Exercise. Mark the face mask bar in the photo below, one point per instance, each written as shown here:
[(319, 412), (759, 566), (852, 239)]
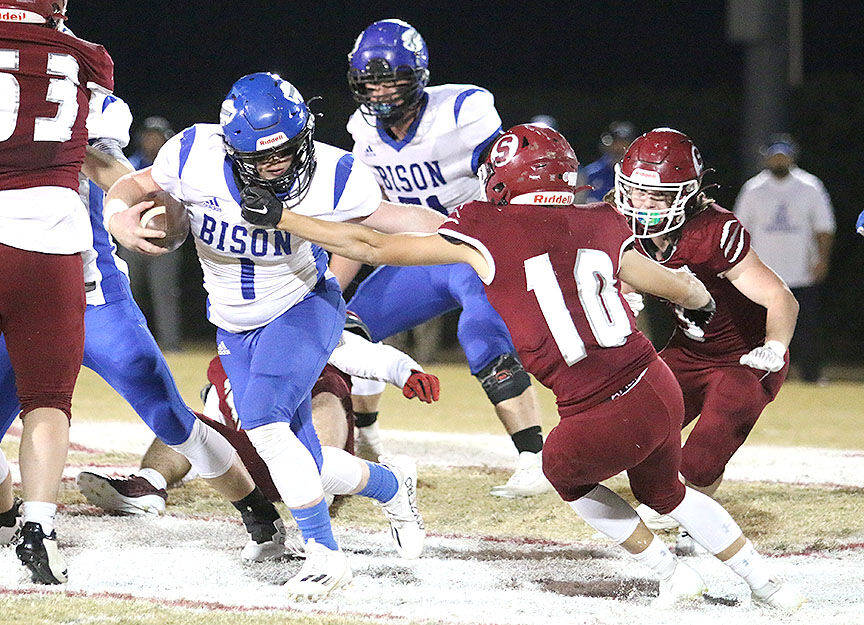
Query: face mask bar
[(390, 109), (647, 223), (291, 187)]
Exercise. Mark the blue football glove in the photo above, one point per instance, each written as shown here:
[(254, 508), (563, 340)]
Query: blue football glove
[(859, 225)]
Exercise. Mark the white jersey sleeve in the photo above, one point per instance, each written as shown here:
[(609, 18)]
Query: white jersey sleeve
[(109, 118), (477, 121), (372, 361)]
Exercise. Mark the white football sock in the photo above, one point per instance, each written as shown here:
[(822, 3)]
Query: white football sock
[(658, 558), (40, 512), (156, 479), (750, 566), (341, 472)]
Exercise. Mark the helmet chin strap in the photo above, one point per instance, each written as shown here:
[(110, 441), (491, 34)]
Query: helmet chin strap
[(545, 198)]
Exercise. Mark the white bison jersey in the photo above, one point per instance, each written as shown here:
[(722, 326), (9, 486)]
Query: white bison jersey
[(253, 274), (436, 163), (109, 118)]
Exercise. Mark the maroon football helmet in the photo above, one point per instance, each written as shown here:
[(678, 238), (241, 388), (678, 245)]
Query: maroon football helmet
[(663, 162), (49, 12), (530, 164)]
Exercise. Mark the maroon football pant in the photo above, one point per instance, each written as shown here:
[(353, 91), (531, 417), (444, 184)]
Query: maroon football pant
[(42, 319), (639, 432), (728, 399), (331, 380)]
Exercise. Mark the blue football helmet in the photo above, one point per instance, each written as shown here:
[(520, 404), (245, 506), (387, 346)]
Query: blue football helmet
[(264, 117), (388, 51)]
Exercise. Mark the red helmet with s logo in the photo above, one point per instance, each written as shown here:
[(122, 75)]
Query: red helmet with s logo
[(530, 164), (664, 163)]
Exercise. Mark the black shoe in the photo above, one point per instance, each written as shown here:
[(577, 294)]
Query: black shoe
[(10, 523), (39, 553)]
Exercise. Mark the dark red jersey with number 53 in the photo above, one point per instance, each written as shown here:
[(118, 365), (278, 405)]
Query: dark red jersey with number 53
[(554, 282), (46, 78)]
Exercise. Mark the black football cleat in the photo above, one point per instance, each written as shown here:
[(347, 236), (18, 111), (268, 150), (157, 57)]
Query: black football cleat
[(39, 553)]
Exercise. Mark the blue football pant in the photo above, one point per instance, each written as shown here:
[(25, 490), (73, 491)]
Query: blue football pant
[(272, 369), (395, 299)]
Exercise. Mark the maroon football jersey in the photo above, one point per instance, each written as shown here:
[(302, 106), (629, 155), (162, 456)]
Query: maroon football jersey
[(712, 242), (555, 285), (45, 82)]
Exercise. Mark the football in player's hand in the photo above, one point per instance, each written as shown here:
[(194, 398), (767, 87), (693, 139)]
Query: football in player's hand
[(169, 216)]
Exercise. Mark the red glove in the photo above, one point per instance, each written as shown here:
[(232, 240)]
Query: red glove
[(423, 386)]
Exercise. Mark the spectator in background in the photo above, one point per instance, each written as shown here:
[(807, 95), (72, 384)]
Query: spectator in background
[(601, 173), (791, 222), (158, 276)]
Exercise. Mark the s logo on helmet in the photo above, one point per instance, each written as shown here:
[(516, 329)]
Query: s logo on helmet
[(504, 150), (412, 41)]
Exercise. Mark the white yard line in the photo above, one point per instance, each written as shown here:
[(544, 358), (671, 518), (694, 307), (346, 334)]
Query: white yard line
[(793, 465)]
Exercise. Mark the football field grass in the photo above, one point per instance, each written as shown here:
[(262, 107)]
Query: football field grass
[(488, 560)]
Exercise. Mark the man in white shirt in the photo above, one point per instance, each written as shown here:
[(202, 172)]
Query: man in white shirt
[(791, 221)]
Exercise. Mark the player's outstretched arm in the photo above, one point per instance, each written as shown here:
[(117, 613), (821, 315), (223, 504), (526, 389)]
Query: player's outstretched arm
[(393, 218), (679, 287), (122, 213), (376, 248), (758, 282), (103, 169)]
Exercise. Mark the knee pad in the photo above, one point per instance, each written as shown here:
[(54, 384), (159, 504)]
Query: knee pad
[(208, 452), (503, 378), (291, 465)]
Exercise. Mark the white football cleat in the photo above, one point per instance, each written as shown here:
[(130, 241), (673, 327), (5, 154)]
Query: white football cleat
[(685, 545), (683, 585), (367, 442), (131, 494), (10, 533), (323, 571), (406, 524), (528, 479), (655, 521), (778, 595)]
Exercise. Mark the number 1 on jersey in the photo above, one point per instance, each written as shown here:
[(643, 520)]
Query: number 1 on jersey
[(593, 273)]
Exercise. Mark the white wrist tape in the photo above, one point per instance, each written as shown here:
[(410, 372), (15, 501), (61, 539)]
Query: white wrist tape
[(111, 208)]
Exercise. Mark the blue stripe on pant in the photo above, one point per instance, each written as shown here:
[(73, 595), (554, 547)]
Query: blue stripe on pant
[(273, 368), (394, 299), (120, 348)]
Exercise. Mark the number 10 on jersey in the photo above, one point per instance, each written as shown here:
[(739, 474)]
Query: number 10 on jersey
[(595, 281)]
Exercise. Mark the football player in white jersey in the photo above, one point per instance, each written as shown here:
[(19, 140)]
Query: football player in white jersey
[(118, 345), (278, 310), (425, 145)]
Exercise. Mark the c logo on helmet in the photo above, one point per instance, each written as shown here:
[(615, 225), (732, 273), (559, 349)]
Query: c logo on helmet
[(504, 150), (697, 159)]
